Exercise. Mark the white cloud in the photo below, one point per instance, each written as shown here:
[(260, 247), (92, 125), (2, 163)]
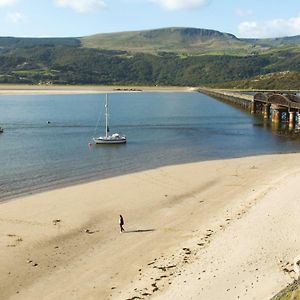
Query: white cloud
[(8, 2), (244, 12), (82, 6), (16, 17), (180, 4), (270, 28)]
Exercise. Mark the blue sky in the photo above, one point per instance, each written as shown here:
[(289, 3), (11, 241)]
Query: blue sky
[(244, 18)]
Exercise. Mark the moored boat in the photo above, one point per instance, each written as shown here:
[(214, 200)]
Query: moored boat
[(115, 138)]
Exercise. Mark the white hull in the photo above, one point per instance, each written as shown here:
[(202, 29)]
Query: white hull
[(103, 140)]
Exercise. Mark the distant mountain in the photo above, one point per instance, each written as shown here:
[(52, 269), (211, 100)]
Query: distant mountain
[(167, 56), (192, 41), (174, 39), (180, 40), (275, 42)]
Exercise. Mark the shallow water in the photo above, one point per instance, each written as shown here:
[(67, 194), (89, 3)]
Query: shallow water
[(161, 129)]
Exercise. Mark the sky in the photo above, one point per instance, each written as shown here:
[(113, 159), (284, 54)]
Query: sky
[(76, 18)]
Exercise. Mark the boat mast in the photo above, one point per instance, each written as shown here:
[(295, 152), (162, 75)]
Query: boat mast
[(106, 116)]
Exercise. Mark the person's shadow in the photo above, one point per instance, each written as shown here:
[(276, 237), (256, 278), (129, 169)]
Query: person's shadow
[(139, 230)]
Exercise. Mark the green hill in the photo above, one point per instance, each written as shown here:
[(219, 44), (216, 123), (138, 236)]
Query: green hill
[(169, 56), (192, 41), (180, 40), (13, 42), (286, 80)]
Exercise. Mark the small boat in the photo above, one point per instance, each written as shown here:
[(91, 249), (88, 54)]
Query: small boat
[(114, 138), (1, 130)]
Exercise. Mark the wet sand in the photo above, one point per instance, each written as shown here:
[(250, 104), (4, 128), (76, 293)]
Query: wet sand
[(226, 229)]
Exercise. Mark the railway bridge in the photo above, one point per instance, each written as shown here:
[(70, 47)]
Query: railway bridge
[(278, 106), (282, 106)]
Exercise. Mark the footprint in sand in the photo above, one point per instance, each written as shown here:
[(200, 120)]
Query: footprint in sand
[(17, 240), (56, 221)]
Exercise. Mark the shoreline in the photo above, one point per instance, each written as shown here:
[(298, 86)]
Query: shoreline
[(94, 178), (176, 218), (28, 89), (14, 89)]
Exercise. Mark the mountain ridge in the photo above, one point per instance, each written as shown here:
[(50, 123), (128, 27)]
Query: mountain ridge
[(187, 40), (170, 39)]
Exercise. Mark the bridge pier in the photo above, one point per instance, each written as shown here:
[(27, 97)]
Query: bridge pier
[(253, 107), (266, 111), (298, 117), (291, 119), (276, 116)]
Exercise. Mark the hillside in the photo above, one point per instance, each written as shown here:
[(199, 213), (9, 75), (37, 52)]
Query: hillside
[(179, 40), (193, 41), (279, 80), (13, 42), (275, 42), (170, 56)]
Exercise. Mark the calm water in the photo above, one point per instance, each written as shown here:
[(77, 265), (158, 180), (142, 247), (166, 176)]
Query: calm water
[(161, 128)]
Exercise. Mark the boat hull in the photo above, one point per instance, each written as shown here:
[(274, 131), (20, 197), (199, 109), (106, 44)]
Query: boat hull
[(109, 141)]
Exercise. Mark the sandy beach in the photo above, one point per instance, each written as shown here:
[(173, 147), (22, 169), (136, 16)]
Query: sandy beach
[(23, 89), (224, 229)]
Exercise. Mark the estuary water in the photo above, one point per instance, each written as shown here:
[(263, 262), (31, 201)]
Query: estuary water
[(161, 129)]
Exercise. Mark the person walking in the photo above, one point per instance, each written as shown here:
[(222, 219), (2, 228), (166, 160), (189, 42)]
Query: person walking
[(121, 223)]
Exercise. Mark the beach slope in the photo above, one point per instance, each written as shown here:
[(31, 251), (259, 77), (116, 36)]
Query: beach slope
[(223, 229)]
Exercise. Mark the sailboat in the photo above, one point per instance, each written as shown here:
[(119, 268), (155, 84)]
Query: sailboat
[(114, 138)]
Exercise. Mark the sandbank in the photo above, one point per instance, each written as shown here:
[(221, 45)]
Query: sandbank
[(224, 229), (22, 89)]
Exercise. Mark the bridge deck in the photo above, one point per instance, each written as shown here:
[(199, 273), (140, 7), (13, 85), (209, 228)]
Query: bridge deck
[(285, 100)]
